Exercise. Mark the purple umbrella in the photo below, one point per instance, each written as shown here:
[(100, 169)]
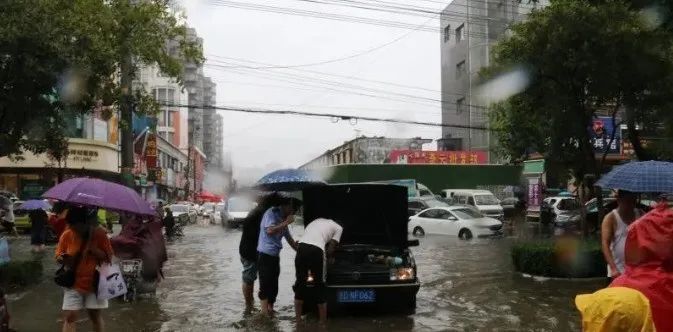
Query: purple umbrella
[(35, 204), (101, 194)]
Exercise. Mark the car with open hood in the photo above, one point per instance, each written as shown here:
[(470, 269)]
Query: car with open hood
[(373, 267)]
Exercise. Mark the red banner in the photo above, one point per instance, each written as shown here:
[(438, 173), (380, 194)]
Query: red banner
[(438, 157), (151, 151)]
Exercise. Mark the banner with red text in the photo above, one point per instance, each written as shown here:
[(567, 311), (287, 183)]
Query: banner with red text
[(438, 157)]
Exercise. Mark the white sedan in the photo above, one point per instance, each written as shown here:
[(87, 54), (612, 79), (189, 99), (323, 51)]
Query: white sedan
[(458, 220)]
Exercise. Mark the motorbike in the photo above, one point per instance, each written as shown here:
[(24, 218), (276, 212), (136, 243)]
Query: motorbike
[(141, 248)]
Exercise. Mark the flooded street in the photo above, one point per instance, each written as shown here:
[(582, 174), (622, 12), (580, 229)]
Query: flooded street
[(466, 286)]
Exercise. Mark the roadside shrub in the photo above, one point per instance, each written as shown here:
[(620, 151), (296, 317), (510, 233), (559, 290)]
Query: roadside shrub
[(560, 258), (20, 273)]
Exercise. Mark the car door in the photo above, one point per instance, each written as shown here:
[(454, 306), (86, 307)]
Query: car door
[(428, 220), (447, 223)]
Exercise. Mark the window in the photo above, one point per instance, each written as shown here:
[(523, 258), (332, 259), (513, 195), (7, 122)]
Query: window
[(459, 33), (425, 192), (460, 69), (447, 33), (460, 105), (470, 201), (432, 214), (170, 95), (445, 215), (169, 118), (460, 199)]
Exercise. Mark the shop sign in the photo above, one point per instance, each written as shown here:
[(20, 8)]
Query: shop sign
[(438, 157), (83, 155), (151, 151), (601, 133)]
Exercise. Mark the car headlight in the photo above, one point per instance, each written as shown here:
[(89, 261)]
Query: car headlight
[(402, 273), (310, 277)]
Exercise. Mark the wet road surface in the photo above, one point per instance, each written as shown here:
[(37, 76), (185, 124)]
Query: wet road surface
[(466, 286)]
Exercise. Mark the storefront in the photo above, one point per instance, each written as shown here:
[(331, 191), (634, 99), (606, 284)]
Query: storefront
[(31, 175)]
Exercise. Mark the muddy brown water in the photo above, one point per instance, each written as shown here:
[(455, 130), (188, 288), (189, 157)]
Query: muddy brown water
[(466, 286)]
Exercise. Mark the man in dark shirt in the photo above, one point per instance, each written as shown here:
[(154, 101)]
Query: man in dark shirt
[(248, 246)]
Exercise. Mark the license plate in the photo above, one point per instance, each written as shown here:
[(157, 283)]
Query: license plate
[(356, 296)]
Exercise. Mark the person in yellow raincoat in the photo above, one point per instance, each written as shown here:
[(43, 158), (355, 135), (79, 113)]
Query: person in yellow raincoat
[(615, 309)]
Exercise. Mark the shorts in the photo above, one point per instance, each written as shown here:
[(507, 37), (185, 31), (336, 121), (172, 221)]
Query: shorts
[(249, 274), (74, 300), (310, 258)]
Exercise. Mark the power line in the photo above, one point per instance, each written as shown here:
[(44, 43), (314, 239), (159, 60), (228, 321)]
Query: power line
[(334, 86), (368, 51), (344, 117), (324, 73)]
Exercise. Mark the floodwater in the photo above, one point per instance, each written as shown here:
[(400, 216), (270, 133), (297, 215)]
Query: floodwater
[(466, 286)]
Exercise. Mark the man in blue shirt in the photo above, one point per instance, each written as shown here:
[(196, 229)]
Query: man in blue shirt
[(273, 229)]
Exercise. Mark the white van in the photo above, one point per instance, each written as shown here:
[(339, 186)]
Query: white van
[(483, 200)]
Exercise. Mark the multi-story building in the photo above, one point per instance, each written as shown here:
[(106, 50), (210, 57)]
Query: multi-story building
[(166, 177), (93, 150), (365, 150), (469, 30)]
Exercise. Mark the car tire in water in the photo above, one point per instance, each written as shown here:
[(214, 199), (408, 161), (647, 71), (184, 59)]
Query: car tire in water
[(465, 234), (418, 231)]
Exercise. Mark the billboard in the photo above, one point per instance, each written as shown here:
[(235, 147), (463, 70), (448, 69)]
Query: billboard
[(439, 157), (601, 132)]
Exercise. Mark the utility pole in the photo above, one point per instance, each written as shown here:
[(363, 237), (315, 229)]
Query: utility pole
[(126, 124), (126, 107)]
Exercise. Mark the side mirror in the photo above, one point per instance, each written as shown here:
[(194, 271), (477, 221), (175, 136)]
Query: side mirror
[(413, 243), (453, 219)]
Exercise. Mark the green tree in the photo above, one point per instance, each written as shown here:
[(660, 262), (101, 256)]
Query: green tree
[(582, 59), (58, 55)]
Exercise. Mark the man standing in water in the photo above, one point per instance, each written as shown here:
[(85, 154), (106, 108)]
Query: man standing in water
[(615, 229), (320, 233), (272, 231), (248, 246)]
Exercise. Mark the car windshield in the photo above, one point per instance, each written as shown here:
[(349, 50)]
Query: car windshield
[(179, 208), (208, 205), (433, 203), (240, 205), (485, 200), (466, 213)]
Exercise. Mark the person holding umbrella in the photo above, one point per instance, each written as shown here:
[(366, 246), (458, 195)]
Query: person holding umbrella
[(273, 229), (82, 247)]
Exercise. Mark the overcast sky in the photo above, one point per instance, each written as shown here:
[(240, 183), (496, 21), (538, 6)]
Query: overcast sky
[(261, 142)]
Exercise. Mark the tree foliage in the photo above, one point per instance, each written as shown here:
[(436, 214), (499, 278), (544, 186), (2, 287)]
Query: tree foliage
[(582, 59), (58, 55)]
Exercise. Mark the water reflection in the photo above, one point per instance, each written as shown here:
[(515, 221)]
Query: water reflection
[(466, 286)]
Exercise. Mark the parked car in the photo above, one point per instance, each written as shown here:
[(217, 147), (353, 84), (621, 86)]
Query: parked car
[(208, 209), (418, 204), (559, 210), (572, 218), (236, 209), (373, 267), (183, 213), (483, 200), (463, 221)]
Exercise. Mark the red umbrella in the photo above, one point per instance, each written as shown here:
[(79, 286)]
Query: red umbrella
[(210, 197)]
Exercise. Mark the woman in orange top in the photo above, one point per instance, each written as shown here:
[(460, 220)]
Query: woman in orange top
[(96, 249)]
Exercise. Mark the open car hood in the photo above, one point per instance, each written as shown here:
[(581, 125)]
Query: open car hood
[(374, 214)]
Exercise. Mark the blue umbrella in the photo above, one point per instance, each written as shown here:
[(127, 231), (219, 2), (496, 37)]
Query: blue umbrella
[(640, 177), (288, 180), (35, 204)]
